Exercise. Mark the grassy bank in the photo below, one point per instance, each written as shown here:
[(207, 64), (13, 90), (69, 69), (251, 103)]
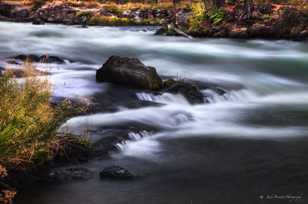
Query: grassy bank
[(28, 127)]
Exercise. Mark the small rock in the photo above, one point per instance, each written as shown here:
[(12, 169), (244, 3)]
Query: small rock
[(116, 173), (38, 21), (238, 32)]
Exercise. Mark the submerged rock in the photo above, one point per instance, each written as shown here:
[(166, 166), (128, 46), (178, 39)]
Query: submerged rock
[(116, 173), (37, 59), (51, 59), (129, 71), (70, 174), (189, 90)]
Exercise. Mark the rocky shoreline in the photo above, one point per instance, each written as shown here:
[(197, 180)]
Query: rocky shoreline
[(68, 15), (268, 21)]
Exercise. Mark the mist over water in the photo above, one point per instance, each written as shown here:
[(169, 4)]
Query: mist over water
[(267, 99)]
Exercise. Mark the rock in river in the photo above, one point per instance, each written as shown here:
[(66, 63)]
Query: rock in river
[(129, 71), (41, 59), (116, 173), (189, 90)]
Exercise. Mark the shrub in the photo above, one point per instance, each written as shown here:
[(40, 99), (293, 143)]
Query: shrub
[(216, 15), (197, 16)]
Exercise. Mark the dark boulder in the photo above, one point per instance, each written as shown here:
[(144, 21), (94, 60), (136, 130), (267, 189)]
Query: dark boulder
[(189, 90), (129, 71), (116, 173)]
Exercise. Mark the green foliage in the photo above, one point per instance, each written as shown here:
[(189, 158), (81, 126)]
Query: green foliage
[(200, 13), (216, 15), (197, 16)]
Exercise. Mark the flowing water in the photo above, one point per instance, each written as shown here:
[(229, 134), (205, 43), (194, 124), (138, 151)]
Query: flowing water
[(241, 147)]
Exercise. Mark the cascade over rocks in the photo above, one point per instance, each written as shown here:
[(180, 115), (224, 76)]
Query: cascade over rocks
[(189, 90), (132, 72)]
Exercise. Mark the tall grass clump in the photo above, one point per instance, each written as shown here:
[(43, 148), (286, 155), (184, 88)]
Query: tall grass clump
[(29, 122)]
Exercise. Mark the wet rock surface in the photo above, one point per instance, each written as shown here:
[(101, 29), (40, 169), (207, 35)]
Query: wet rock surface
[(189, 90), (129, 71), (132, 72)]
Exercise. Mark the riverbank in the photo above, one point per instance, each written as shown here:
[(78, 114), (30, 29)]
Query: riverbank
[(267, 21)]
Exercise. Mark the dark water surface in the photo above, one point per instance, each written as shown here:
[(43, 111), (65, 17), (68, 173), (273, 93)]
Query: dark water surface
[(248, 146)]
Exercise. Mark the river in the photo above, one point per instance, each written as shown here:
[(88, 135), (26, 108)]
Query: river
[(247, 146)]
